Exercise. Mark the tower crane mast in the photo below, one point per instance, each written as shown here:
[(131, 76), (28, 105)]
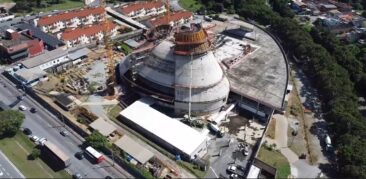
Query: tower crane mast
[(109, 52)]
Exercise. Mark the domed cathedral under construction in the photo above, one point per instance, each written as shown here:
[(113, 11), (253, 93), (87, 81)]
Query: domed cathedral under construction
[(180, 73)]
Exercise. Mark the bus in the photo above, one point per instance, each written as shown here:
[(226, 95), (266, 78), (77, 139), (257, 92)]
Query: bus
[(53, 154), (95, 155)]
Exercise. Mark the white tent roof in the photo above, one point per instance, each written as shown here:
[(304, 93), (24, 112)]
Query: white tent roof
[(134, 149), (170, 130), (103, 127)]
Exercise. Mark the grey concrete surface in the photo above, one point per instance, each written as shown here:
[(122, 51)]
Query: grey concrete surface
[(8, 169), (229, 156), (45, 124), (174, 4)]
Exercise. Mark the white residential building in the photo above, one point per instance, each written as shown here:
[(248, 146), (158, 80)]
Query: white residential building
[(71, 19), (143, 9), (86, 35)]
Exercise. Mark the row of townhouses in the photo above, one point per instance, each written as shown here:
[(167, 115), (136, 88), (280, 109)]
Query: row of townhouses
[(71, 19), (87, 34), (173, 19), (143, 9)]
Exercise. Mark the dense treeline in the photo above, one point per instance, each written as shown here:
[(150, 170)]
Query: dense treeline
[(333, 69), (330, 74), (350, 56)]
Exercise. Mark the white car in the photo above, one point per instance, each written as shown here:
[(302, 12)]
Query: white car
[(22, 107), (234, 176), (34, 138), (246, 151), (42, 141), (231, 168)]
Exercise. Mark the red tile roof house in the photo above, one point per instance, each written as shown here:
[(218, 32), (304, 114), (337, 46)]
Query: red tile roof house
[(71, 19), (173, 19), (87, 34), (143, 9), (19, 45)]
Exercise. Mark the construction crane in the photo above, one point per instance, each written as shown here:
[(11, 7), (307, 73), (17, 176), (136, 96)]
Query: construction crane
[(109, 52)]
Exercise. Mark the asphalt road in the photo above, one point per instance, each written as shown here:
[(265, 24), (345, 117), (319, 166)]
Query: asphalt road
[(44, 124), (7, 169)]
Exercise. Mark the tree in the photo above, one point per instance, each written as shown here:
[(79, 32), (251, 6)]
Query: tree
[(35, 154), (10, 122), (96, 140)]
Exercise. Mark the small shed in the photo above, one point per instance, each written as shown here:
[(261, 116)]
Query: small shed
[(64, 101), (135, 150), (102, 126)]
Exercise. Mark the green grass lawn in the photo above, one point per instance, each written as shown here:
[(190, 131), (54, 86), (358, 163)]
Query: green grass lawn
[(191, 5), (67, 4), (17, 149), (114, 111), (193, 169), (277, 160)]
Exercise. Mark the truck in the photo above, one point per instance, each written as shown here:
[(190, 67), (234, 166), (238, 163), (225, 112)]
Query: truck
[(55, 156)]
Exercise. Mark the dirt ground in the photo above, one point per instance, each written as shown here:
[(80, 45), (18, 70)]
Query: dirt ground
[(235, 123)]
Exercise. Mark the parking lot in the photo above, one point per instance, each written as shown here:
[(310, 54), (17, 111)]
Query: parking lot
[(229, 150)]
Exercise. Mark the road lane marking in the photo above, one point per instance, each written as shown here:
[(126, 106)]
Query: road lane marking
[(214, 172), (14, 167)]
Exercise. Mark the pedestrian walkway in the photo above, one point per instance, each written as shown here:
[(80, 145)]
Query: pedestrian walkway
[(299, 168)]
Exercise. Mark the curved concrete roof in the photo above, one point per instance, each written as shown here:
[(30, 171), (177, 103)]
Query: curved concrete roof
[(263, 74)]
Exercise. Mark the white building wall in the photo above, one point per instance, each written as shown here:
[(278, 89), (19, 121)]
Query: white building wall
[(53, 62)]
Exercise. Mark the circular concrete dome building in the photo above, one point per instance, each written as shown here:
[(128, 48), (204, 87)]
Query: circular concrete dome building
[(173, 67)]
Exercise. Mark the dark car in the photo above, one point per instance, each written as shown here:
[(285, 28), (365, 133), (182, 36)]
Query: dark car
[(33, 110), (20, 97), (79, 155), (64, 133), (27, 131), (108, 177)]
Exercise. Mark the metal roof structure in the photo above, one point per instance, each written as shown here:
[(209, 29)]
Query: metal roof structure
[(30, 74), (167, 129), (38, 33), (73, 55), (102, 126), (63, 99), (134, 149), (132, 43), (44, 58)]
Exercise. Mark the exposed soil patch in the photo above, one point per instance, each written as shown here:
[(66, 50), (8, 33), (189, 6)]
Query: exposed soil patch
[(235, 123)]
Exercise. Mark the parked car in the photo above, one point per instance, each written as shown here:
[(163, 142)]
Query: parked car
[(27, 131), (231, 169), (245, 151), (79, 155), (20, 97), (23, 108), (33, 110), (34, 138), (64, 133), (108, 177), (77, 176), (234, 176)]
